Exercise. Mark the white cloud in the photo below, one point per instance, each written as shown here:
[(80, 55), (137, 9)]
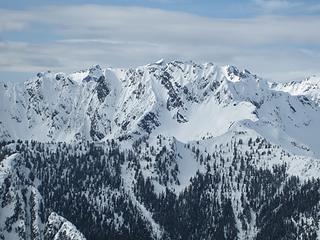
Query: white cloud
[(286, 6), (274, 5), (130, 36), (14, 20)]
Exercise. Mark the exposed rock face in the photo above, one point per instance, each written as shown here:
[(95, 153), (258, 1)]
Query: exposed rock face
[(174, 150), (182, 99)]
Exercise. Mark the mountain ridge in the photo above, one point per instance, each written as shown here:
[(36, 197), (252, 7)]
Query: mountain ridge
[(129, 103), (175, 150)]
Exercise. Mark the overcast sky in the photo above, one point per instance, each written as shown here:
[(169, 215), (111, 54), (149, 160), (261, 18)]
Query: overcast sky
[(276, 39)]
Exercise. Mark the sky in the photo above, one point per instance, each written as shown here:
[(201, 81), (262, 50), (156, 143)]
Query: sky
[(275, 39)]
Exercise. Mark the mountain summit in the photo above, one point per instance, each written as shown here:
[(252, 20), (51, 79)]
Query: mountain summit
[(185, 100), (169, 150)]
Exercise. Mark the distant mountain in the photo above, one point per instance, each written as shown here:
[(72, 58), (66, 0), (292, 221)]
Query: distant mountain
[(309, 87), (175, 150)]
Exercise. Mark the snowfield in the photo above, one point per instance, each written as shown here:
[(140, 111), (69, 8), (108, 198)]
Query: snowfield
[(168, 126)]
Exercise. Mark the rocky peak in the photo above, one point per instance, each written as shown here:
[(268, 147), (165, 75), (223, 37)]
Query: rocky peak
[(95, 73)]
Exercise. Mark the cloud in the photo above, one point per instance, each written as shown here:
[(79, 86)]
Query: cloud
[(272, 5), (286, 6), (14, 20), (153, 25), (130, 36)]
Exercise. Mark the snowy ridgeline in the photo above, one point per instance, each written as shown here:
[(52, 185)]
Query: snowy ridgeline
[(184, 100), (171, 150)]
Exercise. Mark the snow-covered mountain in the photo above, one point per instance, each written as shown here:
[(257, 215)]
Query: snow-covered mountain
[(130, 149), (181, 99), (309, 87)]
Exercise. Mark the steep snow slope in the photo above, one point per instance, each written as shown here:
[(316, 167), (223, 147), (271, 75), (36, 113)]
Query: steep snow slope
[(182, 99), (58, 227), (309, 87), (164, 135), (183, 158)]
